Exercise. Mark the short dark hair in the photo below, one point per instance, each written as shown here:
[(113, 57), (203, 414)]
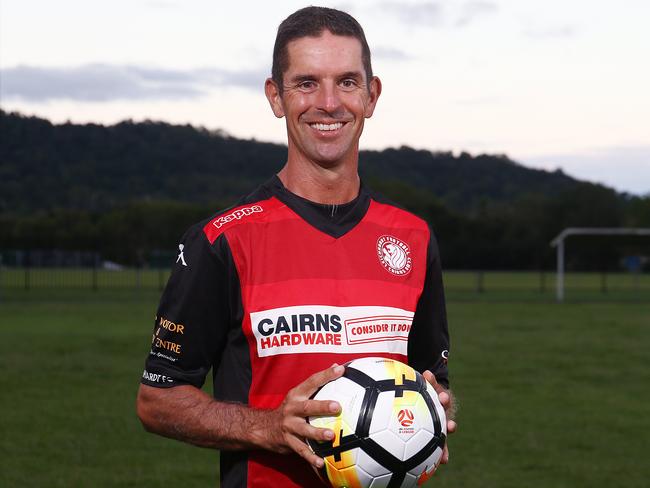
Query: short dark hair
[(311, 22)]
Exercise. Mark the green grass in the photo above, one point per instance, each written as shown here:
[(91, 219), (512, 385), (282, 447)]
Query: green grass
[(550, 395), (70, 374)]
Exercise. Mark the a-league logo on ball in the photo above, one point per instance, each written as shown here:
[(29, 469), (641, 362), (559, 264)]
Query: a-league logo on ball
[(394, 255), (405, 417)]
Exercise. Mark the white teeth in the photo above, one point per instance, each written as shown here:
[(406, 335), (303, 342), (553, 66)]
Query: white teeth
[(338, 125)]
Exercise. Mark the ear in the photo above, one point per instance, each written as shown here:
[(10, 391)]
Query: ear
[(375, 91), (273, 96)]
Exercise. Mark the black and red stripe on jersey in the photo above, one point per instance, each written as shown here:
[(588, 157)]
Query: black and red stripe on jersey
[(278, 288)]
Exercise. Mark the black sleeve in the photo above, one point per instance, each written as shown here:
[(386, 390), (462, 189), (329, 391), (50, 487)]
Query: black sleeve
[(428, 345), (193, 317)]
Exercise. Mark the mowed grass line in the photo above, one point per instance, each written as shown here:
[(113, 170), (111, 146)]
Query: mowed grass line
[(550, 395)]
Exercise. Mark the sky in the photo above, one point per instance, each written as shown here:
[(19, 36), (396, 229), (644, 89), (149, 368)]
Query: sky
[(552, 84)]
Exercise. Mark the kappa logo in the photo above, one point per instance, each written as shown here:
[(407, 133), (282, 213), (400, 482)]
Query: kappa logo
[(181, 256), (405, 417), (238, 214), (394, 255), (445, 356)]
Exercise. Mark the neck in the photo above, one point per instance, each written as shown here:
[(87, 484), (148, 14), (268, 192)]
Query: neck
[(334, 185)]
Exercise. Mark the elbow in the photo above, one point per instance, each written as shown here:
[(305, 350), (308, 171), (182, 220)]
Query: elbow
[(144, 407)]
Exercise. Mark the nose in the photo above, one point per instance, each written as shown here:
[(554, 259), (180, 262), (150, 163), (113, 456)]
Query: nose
[(328, 97)]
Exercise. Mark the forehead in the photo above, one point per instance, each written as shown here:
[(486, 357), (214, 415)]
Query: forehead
[(325, 53)]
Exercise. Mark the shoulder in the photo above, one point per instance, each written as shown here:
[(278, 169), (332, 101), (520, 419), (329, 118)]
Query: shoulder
[(397, 214), (201, 242), (250, 209)]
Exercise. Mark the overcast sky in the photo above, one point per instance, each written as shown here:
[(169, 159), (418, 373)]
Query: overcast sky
[(553, 83)]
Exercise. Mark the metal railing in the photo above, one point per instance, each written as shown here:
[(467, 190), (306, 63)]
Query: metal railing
[(29, 278)]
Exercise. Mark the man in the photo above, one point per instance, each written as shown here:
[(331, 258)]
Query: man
[(262, 293)]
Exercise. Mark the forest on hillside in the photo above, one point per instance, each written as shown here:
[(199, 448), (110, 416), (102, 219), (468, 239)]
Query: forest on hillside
[(130, 190)]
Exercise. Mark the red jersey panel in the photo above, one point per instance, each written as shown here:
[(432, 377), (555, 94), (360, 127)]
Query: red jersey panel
[(300, 286)]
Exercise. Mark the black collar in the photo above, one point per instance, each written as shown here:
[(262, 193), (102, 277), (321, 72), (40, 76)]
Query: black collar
[(333, 220)]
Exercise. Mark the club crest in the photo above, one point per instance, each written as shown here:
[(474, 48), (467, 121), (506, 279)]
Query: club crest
[(394, 255)]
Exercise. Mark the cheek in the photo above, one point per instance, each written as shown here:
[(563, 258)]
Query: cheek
[(296, 105), (358, 105)]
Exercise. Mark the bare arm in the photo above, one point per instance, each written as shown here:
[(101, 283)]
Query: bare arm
[(190, 415)]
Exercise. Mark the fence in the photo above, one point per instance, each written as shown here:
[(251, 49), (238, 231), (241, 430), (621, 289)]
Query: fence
[(596, 286), (458, 284), (85, 278)]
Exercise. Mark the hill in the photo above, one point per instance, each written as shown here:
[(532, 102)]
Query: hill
[(97, 167)]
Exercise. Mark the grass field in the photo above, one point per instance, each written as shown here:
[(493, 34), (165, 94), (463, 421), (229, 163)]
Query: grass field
[(551, 395)]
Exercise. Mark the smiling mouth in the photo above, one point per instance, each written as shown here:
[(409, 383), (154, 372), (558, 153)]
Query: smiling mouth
[(327, 127)]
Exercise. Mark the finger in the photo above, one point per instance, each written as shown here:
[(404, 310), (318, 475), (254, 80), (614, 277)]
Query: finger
[(445, 455), (431, 378), (315, 381), (307, 431), (296, 427), (451, 426), (445, 399), (303, 450), (308, 408)]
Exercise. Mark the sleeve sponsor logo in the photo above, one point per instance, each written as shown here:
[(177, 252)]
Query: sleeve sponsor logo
[(341, 330), (171, 326), (156, 378), (238, 214), (159, 343), (163, 356), (166, 330)]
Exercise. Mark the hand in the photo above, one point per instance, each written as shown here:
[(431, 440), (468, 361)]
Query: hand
[(447, 402), (291, 427)]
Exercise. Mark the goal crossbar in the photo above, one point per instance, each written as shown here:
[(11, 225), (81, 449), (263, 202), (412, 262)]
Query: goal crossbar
[(558, 242)]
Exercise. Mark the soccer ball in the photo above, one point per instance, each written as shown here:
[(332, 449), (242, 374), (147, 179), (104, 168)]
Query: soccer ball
[(391, 430)]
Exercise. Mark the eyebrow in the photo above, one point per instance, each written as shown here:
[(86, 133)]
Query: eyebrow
[(301, 78), (348, 74), (352, 74)]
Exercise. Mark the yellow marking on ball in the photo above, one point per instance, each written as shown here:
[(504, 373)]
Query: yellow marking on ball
[(342, 479), (408, 399), (399, 371), (347, 460)]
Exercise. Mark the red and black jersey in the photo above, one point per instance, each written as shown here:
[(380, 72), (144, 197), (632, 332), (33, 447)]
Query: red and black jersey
[(277, 288)]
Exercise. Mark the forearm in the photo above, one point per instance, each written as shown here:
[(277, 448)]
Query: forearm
[(190, 415)]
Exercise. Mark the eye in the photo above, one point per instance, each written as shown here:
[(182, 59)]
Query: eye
[(307, 85), (348, 83)]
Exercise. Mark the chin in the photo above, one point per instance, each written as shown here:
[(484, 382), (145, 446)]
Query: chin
[(330, 158), (329, 161)]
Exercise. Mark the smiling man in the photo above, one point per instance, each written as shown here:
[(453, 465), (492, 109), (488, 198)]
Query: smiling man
[(266, 293)]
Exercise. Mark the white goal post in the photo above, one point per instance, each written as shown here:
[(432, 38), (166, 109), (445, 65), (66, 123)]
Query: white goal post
[(558, 242)]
